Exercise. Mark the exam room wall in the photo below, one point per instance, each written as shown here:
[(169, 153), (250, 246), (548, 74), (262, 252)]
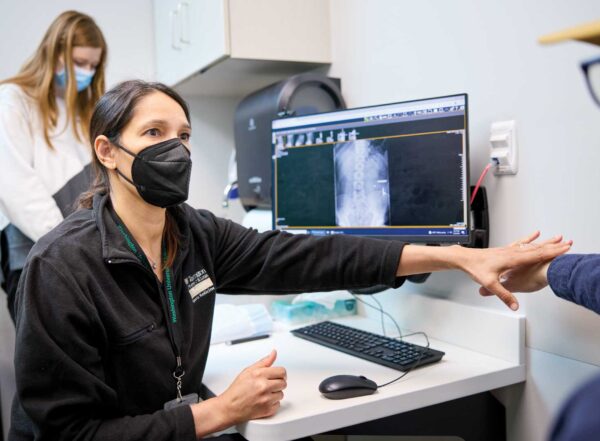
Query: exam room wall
[(385, 51), (212, 145)]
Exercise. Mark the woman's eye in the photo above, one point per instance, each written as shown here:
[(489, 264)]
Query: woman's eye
[(185, 136), (152, 132)]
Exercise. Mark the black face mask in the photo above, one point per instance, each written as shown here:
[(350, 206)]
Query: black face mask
[(161, 172)]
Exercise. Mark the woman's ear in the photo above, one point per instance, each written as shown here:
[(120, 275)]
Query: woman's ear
[(105, 152)]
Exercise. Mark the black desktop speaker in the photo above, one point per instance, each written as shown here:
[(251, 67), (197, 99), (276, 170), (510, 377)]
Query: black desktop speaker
[(301, 94)]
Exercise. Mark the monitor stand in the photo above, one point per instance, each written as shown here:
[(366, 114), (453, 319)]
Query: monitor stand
[(480, 220)]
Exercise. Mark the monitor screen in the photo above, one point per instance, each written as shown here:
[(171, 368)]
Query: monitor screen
[(394, 171)]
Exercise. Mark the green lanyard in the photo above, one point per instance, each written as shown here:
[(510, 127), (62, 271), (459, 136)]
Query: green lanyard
[(173, 328), (167, 271)]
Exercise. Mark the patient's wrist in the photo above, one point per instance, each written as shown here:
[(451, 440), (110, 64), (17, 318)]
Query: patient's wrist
[(543, 279)]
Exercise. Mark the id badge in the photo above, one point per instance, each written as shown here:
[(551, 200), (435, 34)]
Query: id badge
[(186, 400)]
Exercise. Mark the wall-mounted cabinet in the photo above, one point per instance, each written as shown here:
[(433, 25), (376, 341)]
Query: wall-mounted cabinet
[(233, 47)]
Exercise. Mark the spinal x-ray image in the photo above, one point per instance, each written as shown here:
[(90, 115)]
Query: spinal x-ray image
[(362, 194)]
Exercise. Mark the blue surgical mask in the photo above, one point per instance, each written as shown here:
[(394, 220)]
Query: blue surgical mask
[(83, 77)]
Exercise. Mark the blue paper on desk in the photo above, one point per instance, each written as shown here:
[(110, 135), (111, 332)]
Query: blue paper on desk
[(232, 322), (312, 307), (327, 299)]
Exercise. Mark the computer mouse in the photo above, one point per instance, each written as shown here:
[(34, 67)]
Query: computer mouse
[(339, 387)]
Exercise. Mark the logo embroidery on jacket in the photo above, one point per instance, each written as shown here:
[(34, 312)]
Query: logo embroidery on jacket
[(199, 285)]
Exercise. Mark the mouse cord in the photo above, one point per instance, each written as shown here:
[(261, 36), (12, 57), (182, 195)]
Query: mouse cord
[(381, 312), (423, 350), (401, 336)]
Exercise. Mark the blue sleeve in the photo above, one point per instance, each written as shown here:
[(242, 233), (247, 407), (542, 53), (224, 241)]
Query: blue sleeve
[(578, 419), (576, 277)]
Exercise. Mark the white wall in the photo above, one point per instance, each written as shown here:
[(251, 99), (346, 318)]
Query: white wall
[(387, 50), (212, 144)]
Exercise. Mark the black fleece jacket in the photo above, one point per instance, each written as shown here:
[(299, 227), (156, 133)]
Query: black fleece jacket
[(94, 360)]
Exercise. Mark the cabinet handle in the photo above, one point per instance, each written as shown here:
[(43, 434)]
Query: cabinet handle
[(174, 15), (184, 9)]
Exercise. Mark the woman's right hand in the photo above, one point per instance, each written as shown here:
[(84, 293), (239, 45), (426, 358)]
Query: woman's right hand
[(526, 278), (499, 271), (256, 392)]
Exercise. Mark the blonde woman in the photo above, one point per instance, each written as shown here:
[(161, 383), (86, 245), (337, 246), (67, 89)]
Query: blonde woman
[(44, 116)]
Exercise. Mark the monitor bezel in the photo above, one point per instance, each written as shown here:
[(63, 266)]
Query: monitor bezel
[(462, 239)]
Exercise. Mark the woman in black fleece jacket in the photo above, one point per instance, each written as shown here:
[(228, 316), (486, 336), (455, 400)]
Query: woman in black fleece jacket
[(115, 305)]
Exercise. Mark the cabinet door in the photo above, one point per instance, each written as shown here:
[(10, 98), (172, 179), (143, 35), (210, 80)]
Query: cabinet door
[(190, 35), (166, 41), (207, 25)]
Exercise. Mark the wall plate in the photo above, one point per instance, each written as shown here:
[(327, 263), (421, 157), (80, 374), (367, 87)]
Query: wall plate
[(503, 147)]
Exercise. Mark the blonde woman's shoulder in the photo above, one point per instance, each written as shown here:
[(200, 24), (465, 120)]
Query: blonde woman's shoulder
[(14, 94)]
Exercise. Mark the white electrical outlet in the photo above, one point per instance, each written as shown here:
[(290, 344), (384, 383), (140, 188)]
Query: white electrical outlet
[(503, 147)]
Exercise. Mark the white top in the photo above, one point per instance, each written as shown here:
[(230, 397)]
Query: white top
[(30, 172)]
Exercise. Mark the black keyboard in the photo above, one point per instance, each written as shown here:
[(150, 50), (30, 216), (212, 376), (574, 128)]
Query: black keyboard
[(382, 350)]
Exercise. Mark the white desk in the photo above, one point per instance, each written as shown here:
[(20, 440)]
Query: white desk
[(462, 372)]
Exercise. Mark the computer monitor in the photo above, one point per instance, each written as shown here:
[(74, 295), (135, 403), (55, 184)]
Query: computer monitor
[(393, 171)]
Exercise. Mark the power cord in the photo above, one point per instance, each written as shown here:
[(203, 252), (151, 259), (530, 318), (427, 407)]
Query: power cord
[(400, 336), (494, 163)]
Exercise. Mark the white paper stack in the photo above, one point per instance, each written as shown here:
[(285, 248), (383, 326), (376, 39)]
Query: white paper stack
[(231, 322)]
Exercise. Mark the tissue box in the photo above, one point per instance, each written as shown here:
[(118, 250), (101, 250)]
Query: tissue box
[(306, 311)]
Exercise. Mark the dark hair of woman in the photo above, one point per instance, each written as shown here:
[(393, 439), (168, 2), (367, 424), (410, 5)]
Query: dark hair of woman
[(112, 113)]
